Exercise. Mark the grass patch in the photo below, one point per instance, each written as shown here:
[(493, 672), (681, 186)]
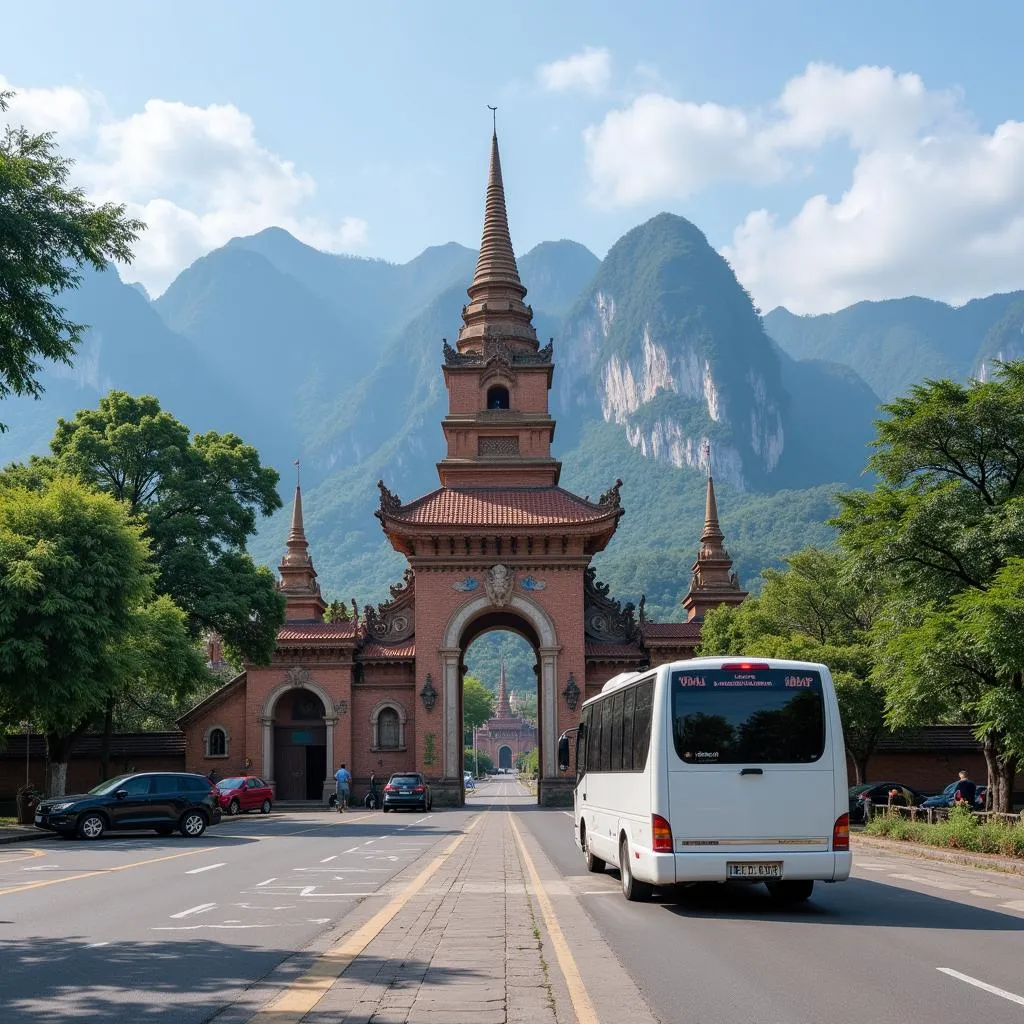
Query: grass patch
[(962, 830)]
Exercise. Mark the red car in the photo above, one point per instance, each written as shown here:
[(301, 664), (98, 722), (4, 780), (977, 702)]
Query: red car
[(245, 793)]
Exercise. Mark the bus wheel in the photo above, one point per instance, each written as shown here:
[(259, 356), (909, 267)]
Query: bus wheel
[(593, 863), (796, 890), (632, 889)]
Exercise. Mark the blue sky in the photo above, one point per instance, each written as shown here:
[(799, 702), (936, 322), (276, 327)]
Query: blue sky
[(833, 152)]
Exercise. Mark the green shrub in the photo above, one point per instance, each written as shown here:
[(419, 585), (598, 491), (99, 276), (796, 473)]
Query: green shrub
[(962, 830)]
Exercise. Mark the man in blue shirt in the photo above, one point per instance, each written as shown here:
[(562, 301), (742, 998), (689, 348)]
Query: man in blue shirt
[(344, 778)]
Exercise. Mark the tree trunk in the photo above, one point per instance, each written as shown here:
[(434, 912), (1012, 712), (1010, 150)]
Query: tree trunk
[(1002, 768), (108, 729), (58, 751), (860, 766)]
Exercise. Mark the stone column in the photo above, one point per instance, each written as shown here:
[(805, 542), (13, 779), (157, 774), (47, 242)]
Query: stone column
[(450, 659), (268, 751), (549, 694), (329, 782)]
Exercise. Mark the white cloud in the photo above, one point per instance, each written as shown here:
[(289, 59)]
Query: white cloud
[(588, 71), (197, 176), (934, 205)]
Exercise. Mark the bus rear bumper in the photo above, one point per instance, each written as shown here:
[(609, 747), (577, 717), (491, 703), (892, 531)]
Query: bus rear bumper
[(823, 866)]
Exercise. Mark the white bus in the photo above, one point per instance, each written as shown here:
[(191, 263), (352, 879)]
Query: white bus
[(714, 770)]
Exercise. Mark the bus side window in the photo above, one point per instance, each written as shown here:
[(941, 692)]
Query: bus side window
[(594, 740), (581, 745), (628, 706), (615, 760), (606, 735), (642, 724)]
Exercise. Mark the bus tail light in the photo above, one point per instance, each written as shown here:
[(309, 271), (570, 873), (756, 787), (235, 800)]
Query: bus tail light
[(841, 833), (661, 834), (746, 666)]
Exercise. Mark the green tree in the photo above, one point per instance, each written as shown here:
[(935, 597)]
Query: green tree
[(476, 761), (526, 705), (48, 231), (942, 529), (818, 609), (477, 705), (76, 612), (199, 497)]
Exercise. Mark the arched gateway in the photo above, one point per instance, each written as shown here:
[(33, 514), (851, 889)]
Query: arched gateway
[(498, 545)]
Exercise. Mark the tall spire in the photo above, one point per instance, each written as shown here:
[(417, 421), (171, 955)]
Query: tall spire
[(503, 709), (712, 537), (496, 308), (713, 582), (303, 601)]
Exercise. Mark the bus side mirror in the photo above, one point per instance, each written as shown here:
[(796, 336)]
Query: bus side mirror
[(563, 753)]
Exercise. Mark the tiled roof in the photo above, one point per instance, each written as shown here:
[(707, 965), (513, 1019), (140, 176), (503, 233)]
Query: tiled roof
[(382, 652), (615, 652), (931, 738), (671, 630), (317, 631), (501, 506), (135, 744)]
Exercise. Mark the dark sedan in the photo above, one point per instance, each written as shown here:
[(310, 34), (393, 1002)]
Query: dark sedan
[(407, 789), (878, 793), (160, 801)]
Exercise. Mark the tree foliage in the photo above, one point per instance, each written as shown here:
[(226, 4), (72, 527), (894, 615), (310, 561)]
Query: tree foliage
[(945, 529), (819, 609), (48, 231), (477, 703), (199, 497), (78, 620)]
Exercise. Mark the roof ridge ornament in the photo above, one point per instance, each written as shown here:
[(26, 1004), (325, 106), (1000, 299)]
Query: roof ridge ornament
[(611, 498), (389, 501)]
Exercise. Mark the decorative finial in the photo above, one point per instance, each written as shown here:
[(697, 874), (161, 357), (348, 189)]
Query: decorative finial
[(298, 471), (494, 118)]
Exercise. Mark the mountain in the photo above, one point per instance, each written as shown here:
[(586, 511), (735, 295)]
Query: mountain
[(337, 360), (899, 342), (667, 344)]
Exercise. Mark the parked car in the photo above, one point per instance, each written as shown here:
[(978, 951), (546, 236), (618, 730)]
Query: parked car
[(945, 798), (160, 801), (245, 793), (407, 789), (878, 793)]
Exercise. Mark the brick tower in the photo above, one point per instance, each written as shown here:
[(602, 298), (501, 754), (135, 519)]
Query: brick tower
[(713, 583)]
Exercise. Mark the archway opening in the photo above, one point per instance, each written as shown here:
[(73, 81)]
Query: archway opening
[(300, 745), (497, 397), (500, 733)]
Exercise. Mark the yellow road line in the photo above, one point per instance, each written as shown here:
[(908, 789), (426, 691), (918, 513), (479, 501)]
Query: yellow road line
[(102, 871), (31, 852), (304, 993), (585, 1013)]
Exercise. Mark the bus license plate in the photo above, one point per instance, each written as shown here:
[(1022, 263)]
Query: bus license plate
[(755, 869)]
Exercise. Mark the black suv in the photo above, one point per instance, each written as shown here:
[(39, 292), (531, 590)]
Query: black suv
[(162, 801), (407, 789)]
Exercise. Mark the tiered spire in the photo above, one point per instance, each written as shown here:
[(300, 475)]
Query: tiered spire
[(713, 583), (504, 709), (303, 601), (496, 308)]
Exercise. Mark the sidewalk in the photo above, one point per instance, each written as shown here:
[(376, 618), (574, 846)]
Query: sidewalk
[(488, 932), (22, 834)]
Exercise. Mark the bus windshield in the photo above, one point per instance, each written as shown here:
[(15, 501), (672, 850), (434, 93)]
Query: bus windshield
[(748, 716)]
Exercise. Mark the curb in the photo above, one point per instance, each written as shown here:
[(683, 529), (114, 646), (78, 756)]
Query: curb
[(26, 837), (989, 862)]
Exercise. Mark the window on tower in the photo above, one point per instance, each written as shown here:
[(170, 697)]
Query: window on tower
[(497, 397)]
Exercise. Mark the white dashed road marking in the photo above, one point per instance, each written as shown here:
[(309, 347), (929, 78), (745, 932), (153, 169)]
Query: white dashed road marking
[(206, 867), (1001, 992), (200, 909), (328, 859)]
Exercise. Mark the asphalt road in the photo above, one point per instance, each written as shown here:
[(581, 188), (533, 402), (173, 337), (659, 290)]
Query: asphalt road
[(169, 929), (873, 949)]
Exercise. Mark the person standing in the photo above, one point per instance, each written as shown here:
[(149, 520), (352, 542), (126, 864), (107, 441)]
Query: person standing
[(965, 791), (344, 779)]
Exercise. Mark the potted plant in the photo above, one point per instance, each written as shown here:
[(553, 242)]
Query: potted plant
[(27, 799)]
